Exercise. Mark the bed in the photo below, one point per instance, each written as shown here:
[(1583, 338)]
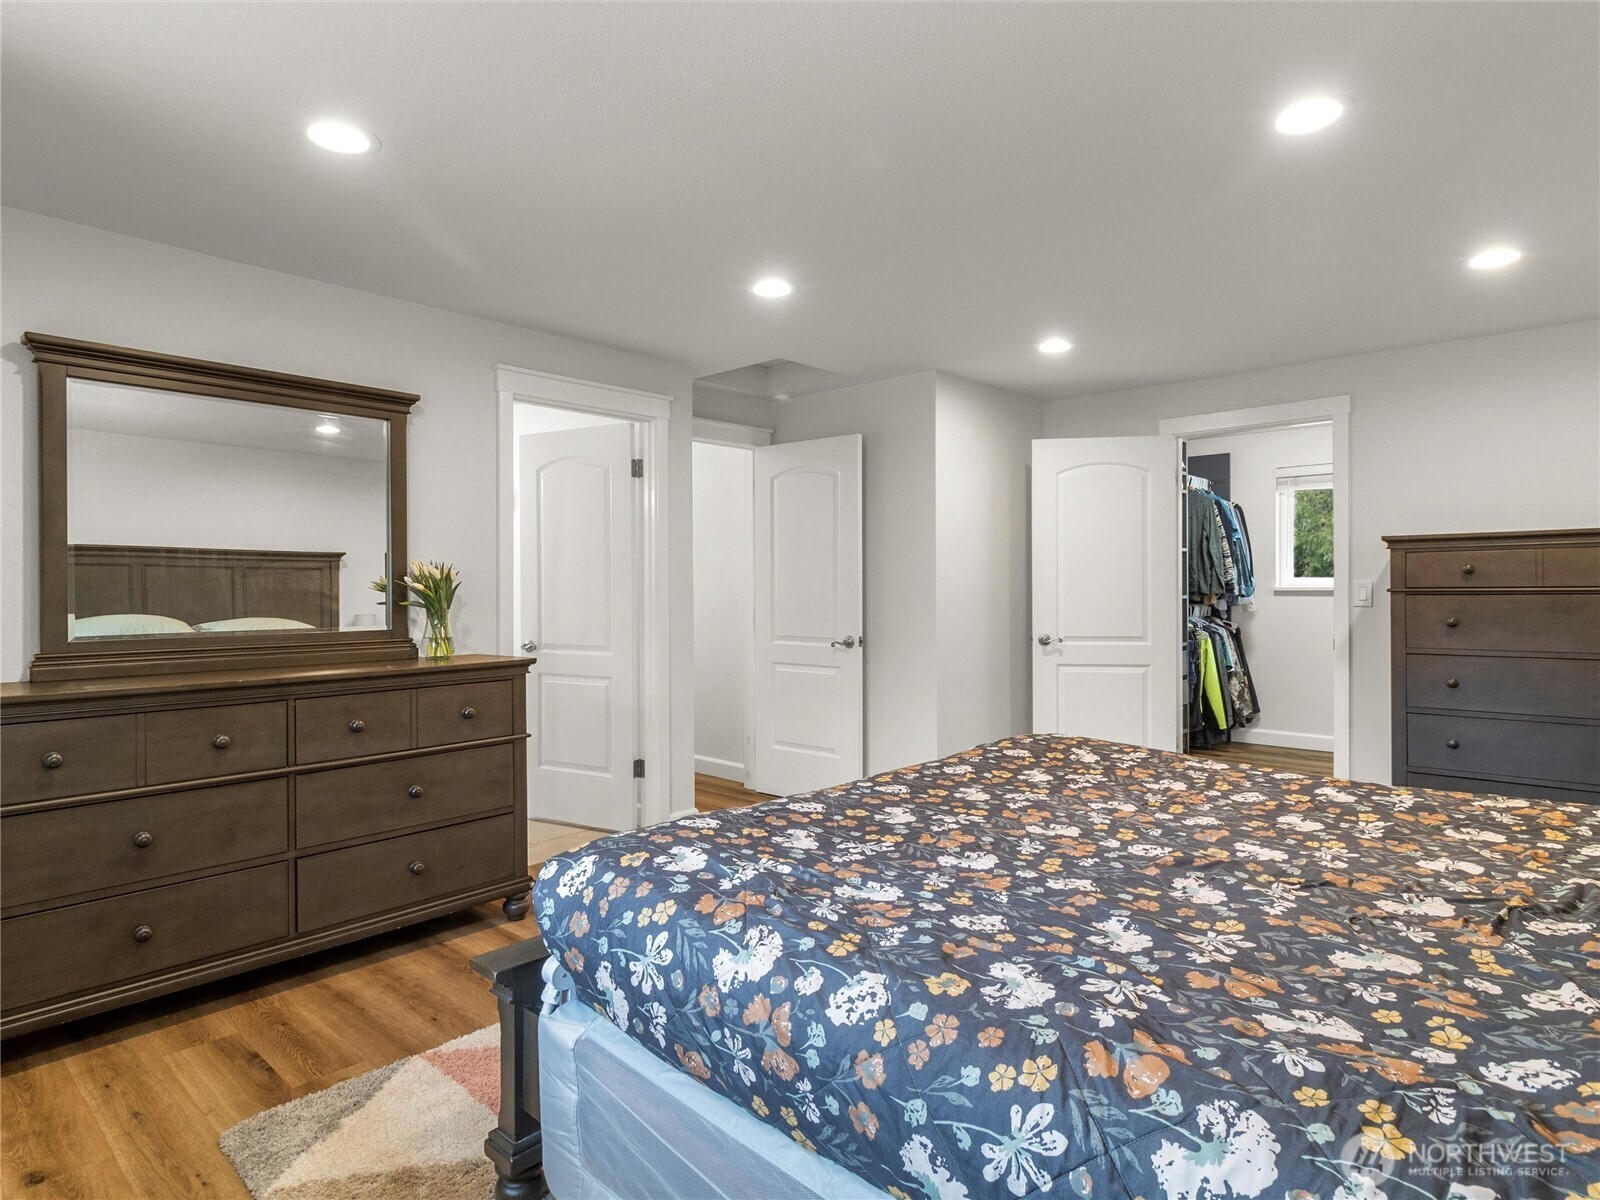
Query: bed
[(1057, 964), (204, 585)]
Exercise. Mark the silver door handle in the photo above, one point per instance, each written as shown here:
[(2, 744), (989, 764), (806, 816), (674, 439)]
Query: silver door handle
[(1046, 639), (849, 643), (529, 647)]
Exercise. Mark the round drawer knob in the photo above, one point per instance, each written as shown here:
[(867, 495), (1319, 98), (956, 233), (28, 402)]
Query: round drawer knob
[(358, 726), (142, 933), (1452, 682), (416, 868), (1452, 622), (51, 761), (222, 741), (415, 791), (468, 713), (1454, 744), (143, 840), (1468, 569)]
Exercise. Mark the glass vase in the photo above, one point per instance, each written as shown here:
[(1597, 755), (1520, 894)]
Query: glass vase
[(438, 643)]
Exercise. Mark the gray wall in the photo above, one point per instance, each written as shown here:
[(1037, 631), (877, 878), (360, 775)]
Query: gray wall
[(1490, 433), (80, 282), (983, 443)]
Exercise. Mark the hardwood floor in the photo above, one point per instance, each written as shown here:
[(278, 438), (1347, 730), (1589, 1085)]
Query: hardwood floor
[(712, 793), (1272, 758), (129, 1105)]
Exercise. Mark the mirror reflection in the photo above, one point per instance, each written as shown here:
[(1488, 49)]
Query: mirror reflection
[(198, 514)]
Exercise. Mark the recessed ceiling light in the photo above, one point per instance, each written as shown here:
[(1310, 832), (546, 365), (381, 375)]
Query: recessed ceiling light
[(1494, 256), (328, 427), (772, 287), (1054, 345), (341, 137), (1310, 114)]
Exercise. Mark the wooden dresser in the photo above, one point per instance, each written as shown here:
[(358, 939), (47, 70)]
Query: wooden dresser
[(1495, 647), (160, 831)]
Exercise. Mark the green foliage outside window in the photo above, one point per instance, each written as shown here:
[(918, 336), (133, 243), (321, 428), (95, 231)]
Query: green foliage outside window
[(1313, 533)]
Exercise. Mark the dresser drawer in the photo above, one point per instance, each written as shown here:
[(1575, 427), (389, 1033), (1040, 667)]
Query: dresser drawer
[(331, 727), (41, 760), (466, 713), (1571, 566), (1536, 687), (199, 743), (1474, 746), (1533, 623), (404, 871), (1495, 787), (1472, 568), (86, 946), (356, 801), (122, 842)]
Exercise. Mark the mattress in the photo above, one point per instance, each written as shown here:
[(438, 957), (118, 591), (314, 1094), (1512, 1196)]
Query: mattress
[(1069, 965), (620, 1124)]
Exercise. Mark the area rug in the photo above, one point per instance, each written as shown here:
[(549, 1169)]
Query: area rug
[(412, 1129)]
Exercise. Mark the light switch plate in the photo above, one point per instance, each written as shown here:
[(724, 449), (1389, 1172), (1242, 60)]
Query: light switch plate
[(1362, 593)]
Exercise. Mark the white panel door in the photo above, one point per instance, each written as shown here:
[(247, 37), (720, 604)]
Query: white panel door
[(1107, 608), (807, 677), (576, 529)]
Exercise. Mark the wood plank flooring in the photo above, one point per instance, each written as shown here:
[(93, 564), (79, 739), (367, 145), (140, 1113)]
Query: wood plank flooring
[(1271, 758), (129, 1105), (712, 793)]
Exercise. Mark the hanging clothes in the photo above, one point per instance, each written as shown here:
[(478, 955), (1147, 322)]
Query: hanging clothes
[(1221, 565)]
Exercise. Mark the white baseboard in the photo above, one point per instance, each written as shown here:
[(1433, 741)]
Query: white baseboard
[(1284, 737), (704, 764), (683, 812)]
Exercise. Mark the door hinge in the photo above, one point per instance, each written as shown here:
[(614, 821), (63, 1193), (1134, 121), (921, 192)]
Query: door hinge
[(638, 468), (638, 768)]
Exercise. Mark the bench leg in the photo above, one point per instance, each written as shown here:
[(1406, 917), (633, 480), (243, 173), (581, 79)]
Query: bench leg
[(516, 1145)]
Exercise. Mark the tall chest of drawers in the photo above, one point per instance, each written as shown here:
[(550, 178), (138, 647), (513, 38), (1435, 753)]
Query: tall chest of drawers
[(1495, 646), (161, 831)]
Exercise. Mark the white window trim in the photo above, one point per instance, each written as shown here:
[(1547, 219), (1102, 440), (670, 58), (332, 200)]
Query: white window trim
[(1311, 477)]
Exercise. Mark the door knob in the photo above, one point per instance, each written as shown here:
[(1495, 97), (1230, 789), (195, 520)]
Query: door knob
[(529, 647), (849, 642), (1046, 639)]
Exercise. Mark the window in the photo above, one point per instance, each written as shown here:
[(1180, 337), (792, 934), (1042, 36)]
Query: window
[(1305, 528)]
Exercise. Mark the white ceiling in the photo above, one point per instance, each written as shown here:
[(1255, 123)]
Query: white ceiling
[(945, 184)]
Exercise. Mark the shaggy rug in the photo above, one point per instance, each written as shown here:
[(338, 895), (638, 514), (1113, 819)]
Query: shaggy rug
[(412, 1129)]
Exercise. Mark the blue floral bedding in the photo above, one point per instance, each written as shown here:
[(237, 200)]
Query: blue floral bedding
[(1054, 964)]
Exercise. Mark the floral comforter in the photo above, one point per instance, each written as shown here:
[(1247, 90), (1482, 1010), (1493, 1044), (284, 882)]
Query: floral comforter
[(1053, 964)]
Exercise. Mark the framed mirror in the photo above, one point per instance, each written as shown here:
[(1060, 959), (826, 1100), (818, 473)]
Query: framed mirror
[(196, 515)]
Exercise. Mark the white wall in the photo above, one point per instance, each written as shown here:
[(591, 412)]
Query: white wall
[(1490, 433), (895, 419), (80, 282), (139, 491), (723, 583), (1288, 636), (982, 446), (715, 404)]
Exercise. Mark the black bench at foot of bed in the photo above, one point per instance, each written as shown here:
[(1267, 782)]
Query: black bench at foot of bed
[(516, 1145)]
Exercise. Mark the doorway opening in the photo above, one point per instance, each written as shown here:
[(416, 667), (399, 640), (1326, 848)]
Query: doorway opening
[(1267, 636), (1293, 462), (582, 490), (778, 609)]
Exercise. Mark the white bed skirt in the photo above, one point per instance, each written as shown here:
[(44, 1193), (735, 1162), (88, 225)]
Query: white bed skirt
[(619, 1124)]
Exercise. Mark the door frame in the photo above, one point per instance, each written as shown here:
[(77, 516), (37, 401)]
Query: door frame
[(740, 437), (650, 413), (1333, 411)]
